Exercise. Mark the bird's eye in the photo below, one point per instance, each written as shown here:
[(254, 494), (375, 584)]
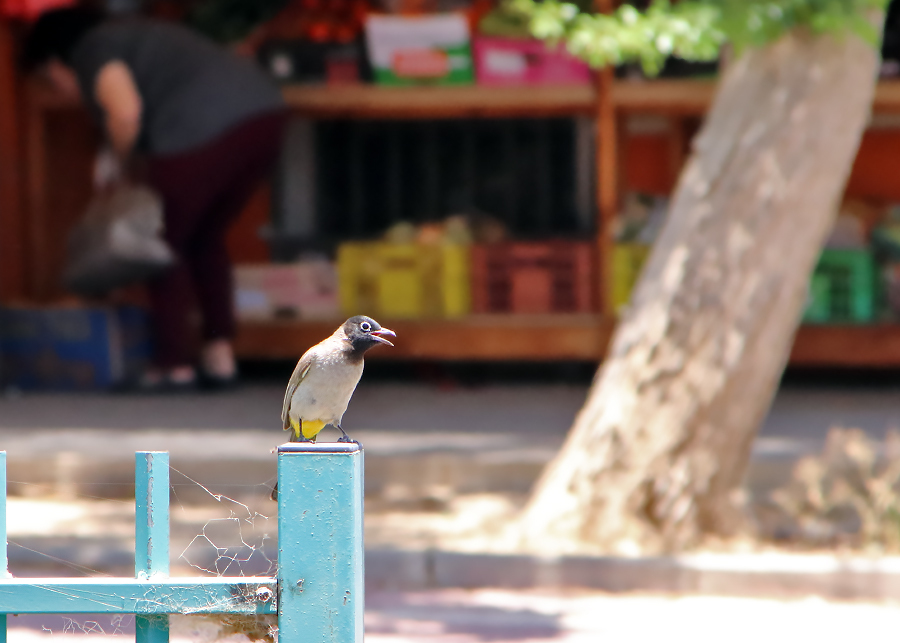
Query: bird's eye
[(365, 327)]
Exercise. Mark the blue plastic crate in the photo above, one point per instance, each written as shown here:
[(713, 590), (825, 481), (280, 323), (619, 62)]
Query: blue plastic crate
[(70, 349)]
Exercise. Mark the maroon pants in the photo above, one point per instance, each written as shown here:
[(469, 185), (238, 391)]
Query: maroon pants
[(203, 191)]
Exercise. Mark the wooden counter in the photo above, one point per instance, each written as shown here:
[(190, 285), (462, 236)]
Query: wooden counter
[(551, 337), (468, 101)]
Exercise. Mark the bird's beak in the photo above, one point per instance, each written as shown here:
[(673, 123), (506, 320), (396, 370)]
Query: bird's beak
[(377, 335)]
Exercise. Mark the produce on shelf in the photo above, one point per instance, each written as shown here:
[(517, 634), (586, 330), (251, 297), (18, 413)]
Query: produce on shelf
[(414, 271)]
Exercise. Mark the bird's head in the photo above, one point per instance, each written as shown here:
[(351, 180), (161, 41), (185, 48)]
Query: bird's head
[(364, 332)]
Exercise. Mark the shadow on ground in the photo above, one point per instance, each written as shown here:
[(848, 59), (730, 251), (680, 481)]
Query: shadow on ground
[(439, 614)]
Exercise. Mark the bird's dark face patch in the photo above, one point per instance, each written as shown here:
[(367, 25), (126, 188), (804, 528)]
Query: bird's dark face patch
[(364, 332)]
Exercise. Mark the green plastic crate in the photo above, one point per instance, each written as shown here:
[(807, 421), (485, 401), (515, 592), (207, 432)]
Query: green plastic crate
[(843, 288)]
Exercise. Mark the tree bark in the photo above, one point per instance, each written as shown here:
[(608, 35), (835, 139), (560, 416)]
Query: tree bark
[(656, 456)]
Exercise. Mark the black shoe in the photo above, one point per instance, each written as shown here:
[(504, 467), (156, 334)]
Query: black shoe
[(144, 385), (215, 383)]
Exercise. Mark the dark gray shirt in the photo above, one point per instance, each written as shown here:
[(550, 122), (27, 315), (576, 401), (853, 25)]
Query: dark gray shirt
[(191, 89)]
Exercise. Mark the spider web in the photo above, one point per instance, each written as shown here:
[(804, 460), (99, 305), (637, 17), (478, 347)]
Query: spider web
[(231, 545), (234, 541)]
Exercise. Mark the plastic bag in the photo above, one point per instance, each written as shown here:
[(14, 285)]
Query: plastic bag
[(118, 242)]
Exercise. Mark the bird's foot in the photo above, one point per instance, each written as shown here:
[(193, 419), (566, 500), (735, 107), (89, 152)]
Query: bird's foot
[(300, 437), (344, 437)]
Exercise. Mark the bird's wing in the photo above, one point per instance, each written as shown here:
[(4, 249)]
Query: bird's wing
[(300, 371)]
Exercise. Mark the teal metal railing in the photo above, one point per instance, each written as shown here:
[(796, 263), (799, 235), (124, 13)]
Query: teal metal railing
[(317, 592)]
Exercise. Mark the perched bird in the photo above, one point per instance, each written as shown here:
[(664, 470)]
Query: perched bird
[(324, 379), (326, 376)]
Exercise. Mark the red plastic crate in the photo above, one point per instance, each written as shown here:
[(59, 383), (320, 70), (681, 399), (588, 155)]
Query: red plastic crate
[(533, 277)]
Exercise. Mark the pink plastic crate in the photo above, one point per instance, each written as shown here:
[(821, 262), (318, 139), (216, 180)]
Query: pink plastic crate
[(516, 61)]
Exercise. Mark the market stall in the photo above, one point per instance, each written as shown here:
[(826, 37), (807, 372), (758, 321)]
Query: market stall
[(536, 285)]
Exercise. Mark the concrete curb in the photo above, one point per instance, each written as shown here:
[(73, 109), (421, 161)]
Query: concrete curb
[(100, 463), (783, 575), (749, 575), (746, 575), (70, 556)]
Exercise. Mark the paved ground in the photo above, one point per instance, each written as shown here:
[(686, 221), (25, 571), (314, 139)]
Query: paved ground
[(544, 617), (67, 441), (405, 417), (419, 439)]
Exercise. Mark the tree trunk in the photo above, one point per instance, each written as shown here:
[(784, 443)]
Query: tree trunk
[(656, 457)]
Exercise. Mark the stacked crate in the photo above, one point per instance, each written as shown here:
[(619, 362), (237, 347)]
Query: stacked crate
[(533, 277), (71, 348), (628, 260), (843, 288), (403, 280)]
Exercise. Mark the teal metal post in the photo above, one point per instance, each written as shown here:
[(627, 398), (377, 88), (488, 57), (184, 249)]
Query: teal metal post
[(4, 559), (320, 543), (151, 534)]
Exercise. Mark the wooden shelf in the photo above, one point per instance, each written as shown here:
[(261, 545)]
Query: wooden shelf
[(887, 96), (374, 101), (693, 97), (687, 97), (465, 101), (870, 346), (676, 97), (478, 337), (551, 337)]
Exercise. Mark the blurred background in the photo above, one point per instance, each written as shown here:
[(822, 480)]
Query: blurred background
[(493, 201)]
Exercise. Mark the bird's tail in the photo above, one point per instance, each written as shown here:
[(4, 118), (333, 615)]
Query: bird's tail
[(306, 429)]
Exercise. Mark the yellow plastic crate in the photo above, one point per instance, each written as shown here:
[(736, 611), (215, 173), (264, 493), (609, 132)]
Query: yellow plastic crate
[(627, 261), (403, 281)]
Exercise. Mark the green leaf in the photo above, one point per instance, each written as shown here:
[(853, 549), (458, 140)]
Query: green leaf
[(691, 29)]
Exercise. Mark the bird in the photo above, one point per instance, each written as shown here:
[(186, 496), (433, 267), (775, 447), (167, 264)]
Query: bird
[(326, 376)]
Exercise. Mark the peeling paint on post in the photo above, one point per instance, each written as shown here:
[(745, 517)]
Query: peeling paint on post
[(320, 543), (151, 534)]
